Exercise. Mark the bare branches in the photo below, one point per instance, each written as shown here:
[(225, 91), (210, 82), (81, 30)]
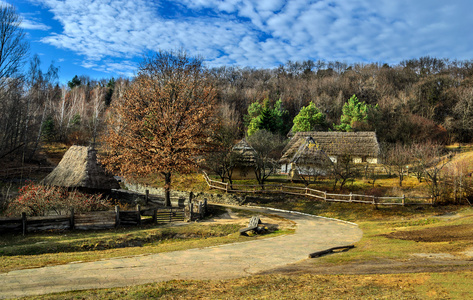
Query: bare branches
[(13, 47)]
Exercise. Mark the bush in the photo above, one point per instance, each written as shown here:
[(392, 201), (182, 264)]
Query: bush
[(39, 200)]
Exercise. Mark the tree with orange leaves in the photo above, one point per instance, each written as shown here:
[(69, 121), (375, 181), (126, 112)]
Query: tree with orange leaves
[(164, 121)]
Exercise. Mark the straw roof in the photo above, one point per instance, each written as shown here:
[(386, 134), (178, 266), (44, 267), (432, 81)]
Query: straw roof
[(79, 169), (361, 144), (309, 153), (246, 153)]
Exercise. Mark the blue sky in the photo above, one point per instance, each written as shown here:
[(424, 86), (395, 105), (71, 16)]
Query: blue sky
[(105, 38)]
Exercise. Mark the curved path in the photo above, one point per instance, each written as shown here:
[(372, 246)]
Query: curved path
[(219, 262)]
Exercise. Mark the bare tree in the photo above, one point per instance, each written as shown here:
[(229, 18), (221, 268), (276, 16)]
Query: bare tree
[(268, 147), (13, 50), (223, 160), (397, 159), (431, 158), (13, 47)]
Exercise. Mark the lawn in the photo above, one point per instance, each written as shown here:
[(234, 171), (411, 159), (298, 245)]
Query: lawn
[(383, 265)]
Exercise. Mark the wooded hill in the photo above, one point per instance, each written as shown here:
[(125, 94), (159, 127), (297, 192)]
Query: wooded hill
[(417, 100)]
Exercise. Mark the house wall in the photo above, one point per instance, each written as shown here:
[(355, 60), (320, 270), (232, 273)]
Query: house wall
[(244, 173)]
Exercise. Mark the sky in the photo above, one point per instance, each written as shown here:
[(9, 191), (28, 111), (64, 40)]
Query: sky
[(108, 38)]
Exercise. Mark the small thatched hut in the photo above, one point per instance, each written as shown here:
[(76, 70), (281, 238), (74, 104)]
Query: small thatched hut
[(79, 169), (246, 156), (310, 149)]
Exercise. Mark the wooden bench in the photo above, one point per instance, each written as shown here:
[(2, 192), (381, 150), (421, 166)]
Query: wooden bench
[(252, 226)]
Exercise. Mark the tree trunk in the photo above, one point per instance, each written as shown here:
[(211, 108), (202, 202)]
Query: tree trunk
[(167, 189)]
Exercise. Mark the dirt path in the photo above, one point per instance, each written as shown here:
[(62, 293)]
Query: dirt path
[(220, 262)]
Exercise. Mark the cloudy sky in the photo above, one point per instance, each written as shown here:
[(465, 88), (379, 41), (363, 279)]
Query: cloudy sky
[(105, 38)]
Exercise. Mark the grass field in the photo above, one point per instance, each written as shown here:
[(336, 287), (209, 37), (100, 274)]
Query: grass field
[(383, 265)]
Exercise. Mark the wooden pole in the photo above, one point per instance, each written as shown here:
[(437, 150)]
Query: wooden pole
[(191, 211), (155, 216), (72, 224), (138, 214), (117, 215), (147, 197), (23, 222), (403, 200)]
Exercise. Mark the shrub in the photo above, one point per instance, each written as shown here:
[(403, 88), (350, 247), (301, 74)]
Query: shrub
[(39, 200)]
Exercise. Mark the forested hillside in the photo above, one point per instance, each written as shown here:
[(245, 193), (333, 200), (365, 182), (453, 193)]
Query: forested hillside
[(418, 99), (413, 101)]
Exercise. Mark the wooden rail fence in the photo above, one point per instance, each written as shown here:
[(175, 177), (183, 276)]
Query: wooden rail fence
[(23, 171), (103, 219), (317, 194)]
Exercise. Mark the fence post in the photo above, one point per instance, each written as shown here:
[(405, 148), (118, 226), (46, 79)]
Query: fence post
[(205, 206), (117, 215), (351, 196), (155, 216), (138, 214), (147, 197), (191, 211), (403, 200), (200, 210), (281, 187), (325, 195), (72, 224), (191, 196), (306, 190), (23, 222)]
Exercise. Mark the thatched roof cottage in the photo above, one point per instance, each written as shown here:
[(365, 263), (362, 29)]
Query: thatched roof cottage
[(79, 169), (310, 150)]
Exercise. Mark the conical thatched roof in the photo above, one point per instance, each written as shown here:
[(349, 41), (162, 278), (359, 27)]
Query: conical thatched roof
[(79, 169), (362, 144), (246, 153)]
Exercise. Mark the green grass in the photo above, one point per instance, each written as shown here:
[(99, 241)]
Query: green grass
[(393, 286), (373, 247)]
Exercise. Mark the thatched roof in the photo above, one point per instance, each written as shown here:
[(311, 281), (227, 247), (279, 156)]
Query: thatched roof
[(246, 153), (309, 153), (79, 169), (361, 144)]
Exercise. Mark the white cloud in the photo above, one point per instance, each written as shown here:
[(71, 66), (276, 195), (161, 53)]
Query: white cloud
[(33, 25), (263, 33)]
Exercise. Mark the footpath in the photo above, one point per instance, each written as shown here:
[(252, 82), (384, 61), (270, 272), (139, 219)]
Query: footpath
[(220, 262)]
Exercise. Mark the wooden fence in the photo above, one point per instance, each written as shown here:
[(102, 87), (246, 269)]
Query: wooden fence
[(103, 219), (317, 194), (23, 171)]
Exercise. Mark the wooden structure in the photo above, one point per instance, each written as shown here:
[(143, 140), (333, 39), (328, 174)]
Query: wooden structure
[(103, 219), (253, 225), (312, 151), (246, 160), (79, 169), (317, 194)]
